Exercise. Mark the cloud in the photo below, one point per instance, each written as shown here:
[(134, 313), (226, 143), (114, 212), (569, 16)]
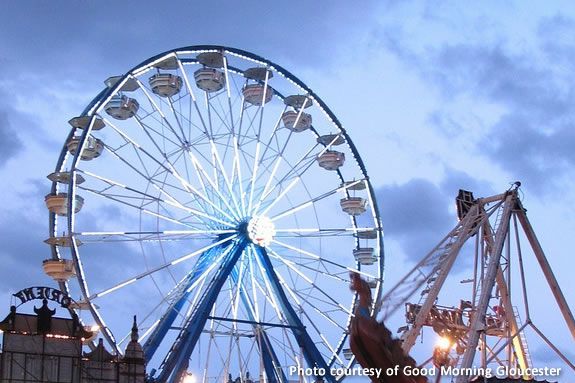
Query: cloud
[(22, 251), (419, 213), (415, 214), (10, 143), (107, 36), (530, 87)]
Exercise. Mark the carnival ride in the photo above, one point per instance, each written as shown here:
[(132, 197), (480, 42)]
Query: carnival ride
[(486, 328), (215, 195)]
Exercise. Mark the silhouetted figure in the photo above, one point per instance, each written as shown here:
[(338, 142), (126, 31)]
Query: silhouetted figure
[(44, 321), (8, 323)]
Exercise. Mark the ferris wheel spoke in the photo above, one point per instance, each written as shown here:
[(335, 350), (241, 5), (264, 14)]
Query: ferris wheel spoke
[(145, 197), (309, 202), (314, 267), (195, 214), (148, 236), (317, 232), (222, 171), (258, 161), (293, 266), (140, 208), (325, 342), (214, 187), (177, 117), (293, 172), (170, 168), (305, 162), (182, 139), (267, 185), (137, 277), (206, 131), (237, 166), (315, 256), (193, 190)]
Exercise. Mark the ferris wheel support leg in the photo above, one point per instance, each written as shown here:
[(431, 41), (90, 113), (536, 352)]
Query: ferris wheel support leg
[(478, 322), (312, 355), (269, 358), (546, 268), (153, 341), (176, 362)]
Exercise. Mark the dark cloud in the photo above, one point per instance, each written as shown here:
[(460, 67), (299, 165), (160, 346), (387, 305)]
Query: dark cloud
[(22, 251), (415, 214), (419, 213), (10, 143), (18, 127), (532, 139), (110, 36)]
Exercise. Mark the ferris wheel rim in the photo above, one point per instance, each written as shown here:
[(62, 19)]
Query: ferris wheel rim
[(100, 101)]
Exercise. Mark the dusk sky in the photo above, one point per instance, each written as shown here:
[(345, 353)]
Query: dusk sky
[(437, 96)]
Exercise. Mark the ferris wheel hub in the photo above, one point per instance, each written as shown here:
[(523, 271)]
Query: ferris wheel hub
[(261, 230)]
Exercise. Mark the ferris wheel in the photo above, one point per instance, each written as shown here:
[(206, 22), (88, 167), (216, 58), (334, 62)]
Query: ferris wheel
[(214, 195)]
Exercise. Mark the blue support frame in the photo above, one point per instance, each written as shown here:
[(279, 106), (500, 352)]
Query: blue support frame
[(155, 338), (311, 354), (269, 357), (176, 362)]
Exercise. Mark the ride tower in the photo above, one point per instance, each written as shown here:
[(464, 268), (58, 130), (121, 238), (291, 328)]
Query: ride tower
[(487, 328)]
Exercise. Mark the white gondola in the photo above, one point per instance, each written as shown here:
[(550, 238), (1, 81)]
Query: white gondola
[(65, 177), (331, 139), (165, 84), (122, 107), (258, 73), (298, 101), (211, 59), (61, 270), (364, 255), (372, 283), (63, 241), (366, 234), (92, 332), (331, 160), (347, 353), (290, 118), (354, 185), (209, 79), (171, 63), (58, 203), (82, 122), (353, 205), (92, 149), (254, 94), (129, 85)]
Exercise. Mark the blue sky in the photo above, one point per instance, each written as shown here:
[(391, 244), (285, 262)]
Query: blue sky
[(437, 96)]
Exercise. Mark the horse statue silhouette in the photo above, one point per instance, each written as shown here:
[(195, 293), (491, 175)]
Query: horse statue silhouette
[(372, 343)]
